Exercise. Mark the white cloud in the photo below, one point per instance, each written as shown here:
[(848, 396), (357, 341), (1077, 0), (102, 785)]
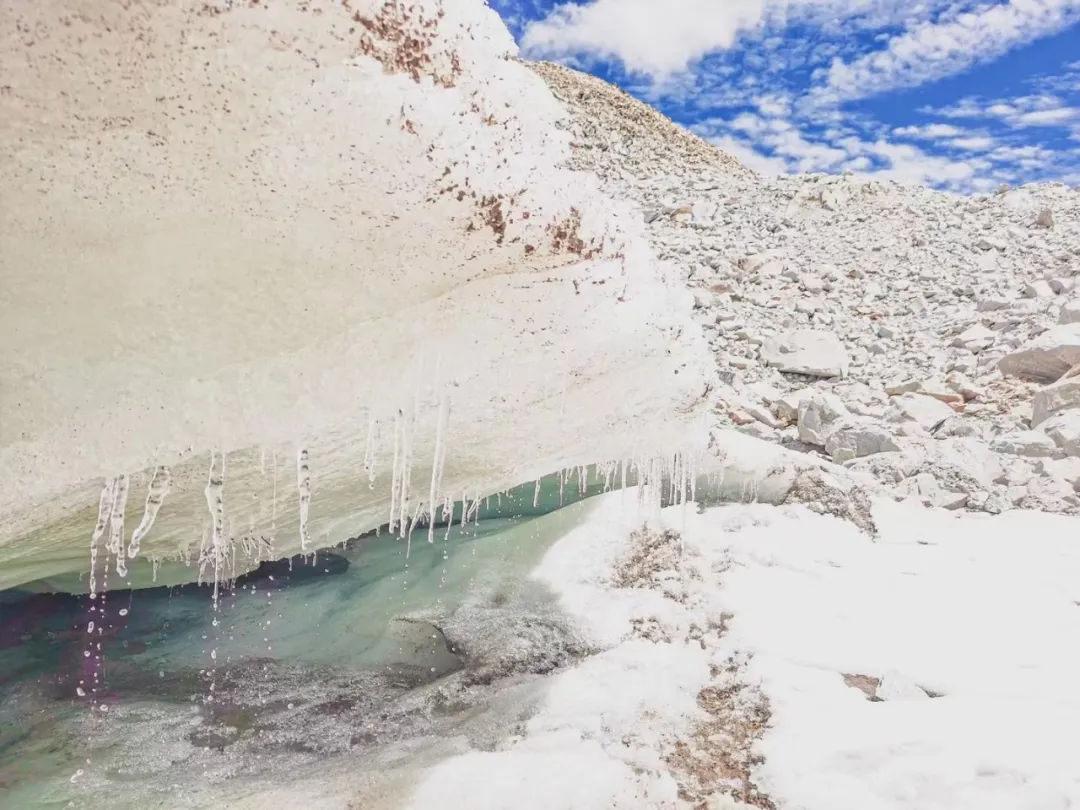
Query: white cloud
[(929, 132), (776, 105), (909, 164), (927, 51), (1048, 118), (749, 157), (772, 146), (656, 37), (1018, 112), (973, 143)]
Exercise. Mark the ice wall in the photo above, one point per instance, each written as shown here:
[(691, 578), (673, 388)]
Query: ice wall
[(269, 259)]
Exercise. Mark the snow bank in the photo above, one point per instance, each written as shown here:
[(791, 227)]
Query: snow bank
[(935, 667), (981, 612), (597, 740), (320, 252)]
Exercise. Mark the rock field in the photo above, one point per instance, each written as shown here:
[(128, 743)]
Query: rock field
[(929, 340)]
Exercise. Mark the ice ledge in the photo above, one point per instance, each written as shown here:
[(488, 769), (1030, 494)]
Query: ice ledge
[(246, 231)]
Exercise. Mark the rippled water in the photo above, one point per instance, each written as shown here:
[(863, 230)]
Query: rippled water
[(324, 682)]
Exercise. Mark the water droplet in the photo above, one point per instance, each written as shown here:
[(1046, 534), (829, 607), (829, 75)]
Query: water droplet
[(90, 627), (123, 611), (80, 691)]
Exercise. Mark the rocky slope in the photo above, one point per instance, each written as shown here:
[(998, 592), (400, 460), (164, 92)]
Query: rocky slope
[(928, 339)]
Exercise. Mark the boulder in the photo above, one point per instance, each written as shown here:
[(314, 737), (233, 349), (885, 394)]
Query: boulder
[(817, 414), (925, 486), (1027, 443), (975, 338), (787, 406), (1064, 428), (806, 351), (1065, 393), (856, 437), (1046, 357), (1070, 313), (925, 410), (1062, 469)]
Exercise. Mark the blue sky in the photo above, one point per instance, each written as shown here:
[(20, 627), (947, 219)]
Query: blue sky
[(958, 95)]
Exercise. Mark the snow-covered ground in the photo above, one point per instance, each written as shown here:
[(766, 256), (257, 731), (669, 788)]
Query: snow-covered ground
[(785, 658)]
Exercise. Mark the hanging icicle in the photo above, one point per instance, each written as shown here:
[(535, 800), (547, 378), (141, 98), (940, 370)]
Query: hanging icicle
[(155, 496), (303, 487)]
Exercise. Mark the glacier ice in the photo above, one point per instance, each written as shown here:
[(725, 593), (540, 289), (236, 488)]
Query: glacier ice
[(289, 230)]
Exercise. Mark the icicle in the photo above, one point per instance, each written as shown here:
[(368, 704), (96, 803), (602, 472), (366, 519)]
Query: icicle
[(449, 526), (395, 478), (693, 478), (273, 508), (409, 453), (562, 485), (303, 487), (156, 492), (215, 504), (437, 461), (410, 524), (536, 494), (105, 504), (115, 545), (369, 451)]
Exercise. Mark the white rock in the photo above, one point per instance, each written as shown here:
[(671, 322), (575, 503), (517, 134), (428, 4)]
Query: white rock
[(762, 414), (1046, 357), (990, 243), (856, 438), (787, 407), (806, 351), (975, 338), (896, 686), (817, 414), (1070, 313), (1028, 443), (926, 411), (940, 390), (925, 486), (1064, 469), (1061, 285), (1038, 289), (1064, 428), (902, 386), (1065, 393)]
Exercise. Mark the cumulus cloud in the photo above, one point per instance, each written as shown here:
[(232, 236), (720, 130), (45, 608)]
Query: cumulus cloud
[(929, 132), (973, 143), (647, 36)]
